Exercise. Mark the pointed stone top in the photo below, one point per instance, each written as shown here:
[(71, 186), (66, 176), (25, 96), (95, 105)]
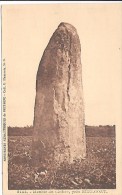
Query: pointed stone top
[(68, 26)]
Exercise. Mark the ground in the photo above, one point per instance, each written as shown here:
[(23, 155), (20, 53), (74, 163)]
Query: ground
[(96, 171)]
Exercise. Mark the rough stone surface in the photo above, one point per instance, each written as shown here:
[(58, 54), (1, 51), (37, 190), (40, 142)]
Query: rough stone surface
[(59, 109)]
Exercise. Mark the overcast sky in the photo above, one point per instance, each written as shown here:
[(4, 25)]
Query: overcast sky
[(26, 31)]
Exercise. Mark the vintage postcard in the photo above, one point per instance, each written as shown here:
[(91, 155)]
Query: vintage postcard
[(61, 98)]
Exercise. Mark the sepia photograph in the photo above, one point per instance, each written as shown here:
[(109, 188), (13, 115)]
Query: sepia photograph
[(61, 98)]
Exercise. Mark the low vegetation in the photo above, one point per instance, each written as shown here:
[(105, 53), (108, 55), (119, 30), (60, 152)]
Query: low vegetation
[(97, 171)]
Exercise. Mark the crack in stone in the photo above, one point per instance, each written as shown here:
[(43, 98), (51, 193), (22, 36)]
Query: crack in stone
[(69, 71), (69, 76)]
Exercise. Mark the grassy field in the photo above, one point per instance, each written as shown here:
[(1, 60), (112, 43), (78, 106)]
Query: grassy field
[(97, 171)]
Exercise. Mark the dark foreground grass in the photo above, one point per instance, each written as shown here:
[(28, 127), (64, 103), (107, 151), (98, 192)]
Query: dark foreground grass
[(97, 171)]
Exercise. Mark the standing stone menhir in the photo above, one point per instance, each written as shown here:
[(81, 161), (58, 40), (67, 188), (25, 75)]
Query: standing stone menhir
[(59, 129)]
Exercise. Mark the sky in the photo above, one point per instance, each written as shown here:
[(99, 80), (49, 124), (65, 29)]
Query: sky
[(26, 30)]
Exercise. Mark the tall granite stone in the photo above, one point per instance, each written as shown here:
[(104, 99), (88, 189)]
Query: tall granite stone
[(59, 128)]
